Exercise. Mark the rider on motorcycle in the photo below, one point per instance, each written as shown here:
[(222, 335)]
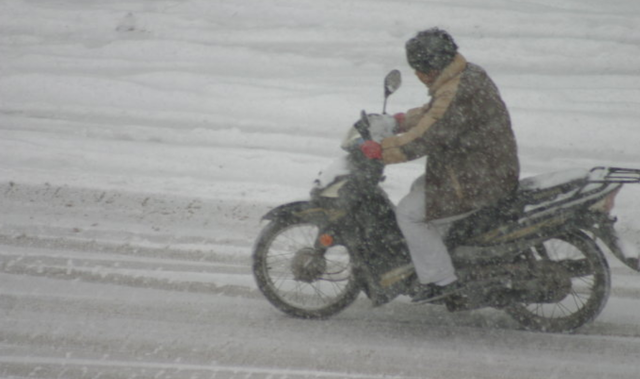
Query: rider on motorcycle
[(465, 132)]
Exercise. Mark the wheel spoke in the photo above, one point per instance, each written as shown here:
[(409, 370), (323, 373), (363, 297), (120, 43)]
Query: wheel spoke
[(577, 297)]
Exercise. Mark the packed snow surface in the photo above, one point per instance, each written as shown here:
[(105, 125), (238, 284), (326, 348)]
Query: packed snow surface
[(141, 142)]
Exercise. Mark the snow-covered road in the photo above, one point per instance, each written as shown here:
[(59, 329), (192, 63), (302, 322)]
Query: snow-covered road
[(141, 141), (96, 284)]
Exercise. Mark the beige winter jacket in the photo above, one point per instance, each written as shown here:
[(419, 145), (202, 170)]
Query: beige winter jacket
[(465, 131)]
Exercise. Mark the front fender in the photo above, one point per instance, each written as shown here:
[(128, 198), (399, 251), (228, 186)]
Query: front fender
[(300, 210), (286, 210)]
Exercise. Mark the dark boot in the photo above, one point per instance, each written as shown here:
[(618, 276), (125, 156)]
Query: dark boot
[(431, 292)]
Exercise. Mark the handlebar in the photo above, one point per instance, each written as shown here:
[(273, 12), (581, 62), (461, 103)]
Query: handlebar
[(362, 126)]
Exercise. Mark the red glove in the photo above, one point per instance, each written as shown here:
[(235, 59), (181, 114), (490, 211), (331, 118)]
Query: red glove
[(400, 121), (371, 149)]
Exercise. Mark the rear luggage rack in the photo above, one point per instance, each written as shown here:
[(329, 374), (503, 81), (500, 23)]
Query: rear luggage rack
[(617, 175)]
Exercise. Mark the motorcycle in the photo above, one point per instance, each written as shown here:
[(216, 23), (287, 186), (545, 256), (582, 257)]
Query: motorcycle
[(534, 255)]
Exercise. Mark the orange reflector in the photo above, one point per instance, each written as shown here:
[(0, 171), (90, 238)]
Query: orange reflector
[(325, 240)]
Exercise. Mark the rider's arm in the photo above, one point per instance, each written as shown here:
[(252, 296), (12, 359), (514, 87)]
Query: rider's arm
[(413, 144), (412, 118)]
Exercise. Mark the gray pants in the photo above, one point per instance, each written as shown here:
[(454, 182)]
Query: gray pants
[(428, 252)]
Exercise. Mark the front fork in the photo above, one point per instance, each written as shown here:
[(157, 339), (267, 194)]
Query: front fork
[(602, 227)]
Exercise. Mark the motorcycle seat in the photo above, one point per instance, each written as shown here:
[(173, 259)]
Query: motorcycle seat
[(532, 193)]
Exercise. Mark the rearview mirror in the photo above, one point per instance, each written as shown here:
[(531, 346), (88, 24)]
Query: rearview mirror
[(392, 82)]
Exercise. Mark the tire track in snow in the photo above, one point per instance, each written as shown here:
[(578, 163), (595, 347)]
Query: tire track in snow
[(139, 280), (46, 367), (133, 240)]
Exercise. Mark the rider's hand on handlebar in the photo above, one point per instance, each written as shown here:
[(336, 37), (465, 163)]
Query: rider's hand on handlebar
[(371, 149)]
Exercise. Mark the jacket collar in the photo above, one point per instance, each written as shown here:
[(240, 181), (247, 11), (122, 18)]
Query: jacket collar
[(455, 68)]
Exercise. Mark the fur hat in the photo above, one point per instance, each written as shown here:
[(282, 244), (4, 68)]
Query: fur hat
[(431, 49)]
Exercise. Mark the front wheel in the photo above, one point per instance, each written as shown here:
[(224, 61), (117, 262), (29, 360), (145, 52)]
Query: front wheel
[(584, 291), (297, 276)]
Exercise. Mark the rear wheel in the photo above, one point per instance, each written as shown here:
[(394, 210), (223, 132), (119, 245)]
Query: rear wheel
[(584, 290), (300, 278)]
